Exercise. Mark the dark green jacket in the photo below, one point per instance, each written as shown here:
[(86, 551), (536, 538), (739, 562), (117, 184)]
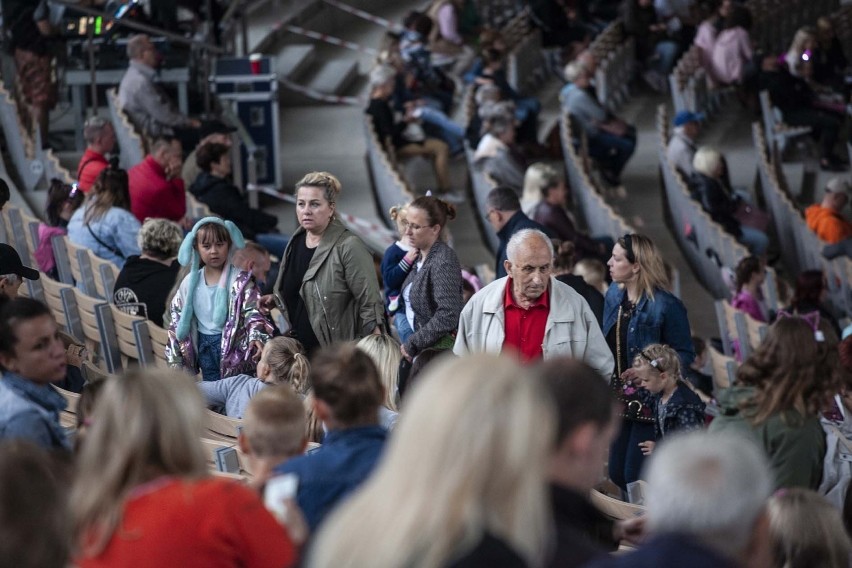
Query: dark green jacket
[(795, 444), (340, 288)]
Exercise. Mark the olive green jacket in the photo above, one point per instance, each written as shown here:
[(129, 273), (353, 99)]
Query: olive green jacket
[(340, 288)]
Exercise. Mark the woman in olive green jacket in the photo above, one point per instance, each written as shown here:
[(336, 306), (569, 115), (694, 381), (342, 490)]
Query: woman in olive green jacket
[(327, 285)]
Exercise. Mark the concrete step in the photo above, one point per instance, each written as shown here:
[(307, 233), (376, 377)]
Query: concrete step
[(294, 60), (334, 76)]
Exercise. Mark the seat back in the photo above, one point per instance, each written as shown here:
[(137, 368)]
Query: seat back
[(724, 369), (87, 312), (151, 341), (130, 143), (81, 267), (118, 337), (222, 427), (104, 275), (55, 296)]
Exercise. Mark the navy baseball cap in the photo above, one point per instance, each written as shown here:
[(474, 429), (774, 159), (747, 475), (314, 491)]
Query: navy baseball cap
[(685, 116)]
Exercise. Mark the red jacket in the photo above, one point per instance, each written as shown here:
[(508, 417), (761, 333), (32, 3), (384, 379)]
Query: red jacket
[(152, 195), (91, 165)]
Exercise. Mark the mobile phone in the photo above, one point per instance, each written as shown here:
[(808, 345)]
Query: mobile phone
[(278, 490)]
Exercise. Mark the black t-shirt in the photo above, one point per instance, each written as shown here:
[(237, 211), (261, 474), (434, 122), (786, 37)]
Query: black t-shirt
[(143, 286), (623, 363), (19, 19), (291, 283)]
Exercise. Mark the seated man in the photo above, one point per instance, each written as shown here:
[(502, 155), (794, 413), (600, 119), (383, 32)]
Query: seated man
[(147, 104), (611, 140), (399, 135), (497, 155), (214, 188), (587, 424), (346, 397), (156, 189), (532, 313), (12, 273), (706, 506), (681, 149), (212, 132), (506, 218), (143, 285), (825, 219), (100, 141), (32, 356)]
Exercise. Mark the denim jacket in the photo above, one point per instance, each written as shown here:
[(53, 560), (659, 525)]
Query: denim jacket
[(31, 411), (118, 229), (661, 320)]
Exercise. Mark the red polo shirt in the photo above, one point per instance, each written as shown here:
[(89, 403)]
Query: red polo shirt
[(525, 328), (91, 165)]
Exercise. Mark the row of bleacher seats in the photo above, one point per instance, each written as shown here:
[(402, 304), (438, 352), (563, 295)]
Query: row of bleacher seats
[(775, 23), (130, 144), (800, 248), (34, 165), (615, 55), (389, 186), (704, 243)]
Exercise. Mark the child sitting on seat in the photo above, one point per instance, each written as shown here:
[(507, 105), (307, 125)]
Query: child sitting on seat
[(282, 361), (215, 325)]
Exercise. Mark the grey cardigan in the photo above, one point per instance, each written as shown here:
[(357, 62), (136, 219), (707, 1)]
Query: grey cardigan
[(436, 298)]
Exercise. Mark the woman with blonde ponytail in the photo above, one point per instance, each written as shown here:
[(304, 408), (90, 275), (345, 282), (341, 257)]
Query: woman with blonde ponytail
[(282, 361)]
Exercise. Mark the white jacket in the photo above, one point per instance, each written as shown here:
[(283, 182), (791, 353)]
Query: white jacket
[(571, 328)]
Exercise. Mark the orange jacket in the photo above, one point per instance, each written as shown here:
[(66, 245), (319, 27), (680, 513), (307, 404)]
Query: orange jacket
[(828, 224)]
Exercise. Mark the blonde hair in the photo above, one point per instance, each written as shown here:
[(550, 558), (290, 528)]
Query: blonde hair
[(385, 353), (275, 423), (664, 357), (160, 238), (805, 531), (397, 214), (652, 274), (480, 430), (327, 182), (147, 423), (707, 161), (288, 363), (538, 178)]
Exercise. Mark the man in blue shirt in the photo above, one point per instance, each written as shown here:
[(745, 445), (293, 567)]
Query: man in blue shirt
[(32, 356), (347, 396), (503, 208)]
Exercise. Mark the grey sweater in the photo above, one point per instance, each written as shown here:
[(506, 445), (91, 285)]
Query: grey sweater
[(234, 393)]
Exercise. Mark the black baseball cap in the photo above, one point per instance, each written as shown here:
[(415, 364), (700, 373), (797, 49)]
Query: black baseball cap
[(10, 263)]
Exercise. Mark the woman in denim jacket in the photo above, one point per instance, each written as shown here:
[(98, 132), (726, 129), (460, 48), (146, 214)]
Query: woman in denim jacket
[(639, 311)]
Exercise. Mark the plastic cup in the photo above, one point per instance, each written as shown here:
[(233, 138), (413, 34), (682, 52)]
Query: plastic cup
[(254, 61)]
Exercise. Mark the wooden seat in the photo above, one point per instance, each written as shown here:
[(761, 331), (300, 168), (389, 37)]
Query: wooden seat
[(196, 209), (87, 312), (221, 427), (104, 275), (614, 508), (119, 338), (53, 297), (151, 342), (724, 369), (81, 268)]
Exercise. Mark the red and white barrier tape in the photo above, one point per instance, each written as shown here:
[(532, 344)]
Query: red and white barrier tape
[(364, 15), (320, 96), (331, 39)]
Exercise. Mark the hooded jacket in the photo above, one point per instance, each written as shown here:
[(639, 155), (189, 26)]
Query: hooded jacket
[(828, 224), (223, 198), (340, 289), (142, 287), (794, 444)]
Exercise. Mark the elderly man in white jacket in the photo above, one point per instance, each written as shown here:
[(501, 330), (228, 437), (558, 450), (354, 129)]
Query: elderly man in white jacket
[(531, 313)]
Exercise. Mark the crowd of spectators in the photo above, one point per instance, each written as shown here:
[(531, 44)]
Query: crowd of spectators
[(405, 413)]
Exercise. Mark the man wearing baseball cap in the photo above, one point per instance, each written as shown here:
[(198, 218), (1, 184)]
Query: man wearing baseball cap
[(12, 270), (682, 147), (825, 218)]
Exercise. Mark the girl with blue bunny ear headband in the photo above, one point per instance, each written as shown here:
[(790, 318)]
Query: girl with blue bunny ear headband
[(216, 326)]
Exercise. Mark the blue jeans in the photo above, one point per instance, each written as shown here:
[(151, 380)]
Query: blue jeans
[(612, 152), (444, 128), (210, 356), (402, 328), (625, 456), (665, 55), (756, 240)]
